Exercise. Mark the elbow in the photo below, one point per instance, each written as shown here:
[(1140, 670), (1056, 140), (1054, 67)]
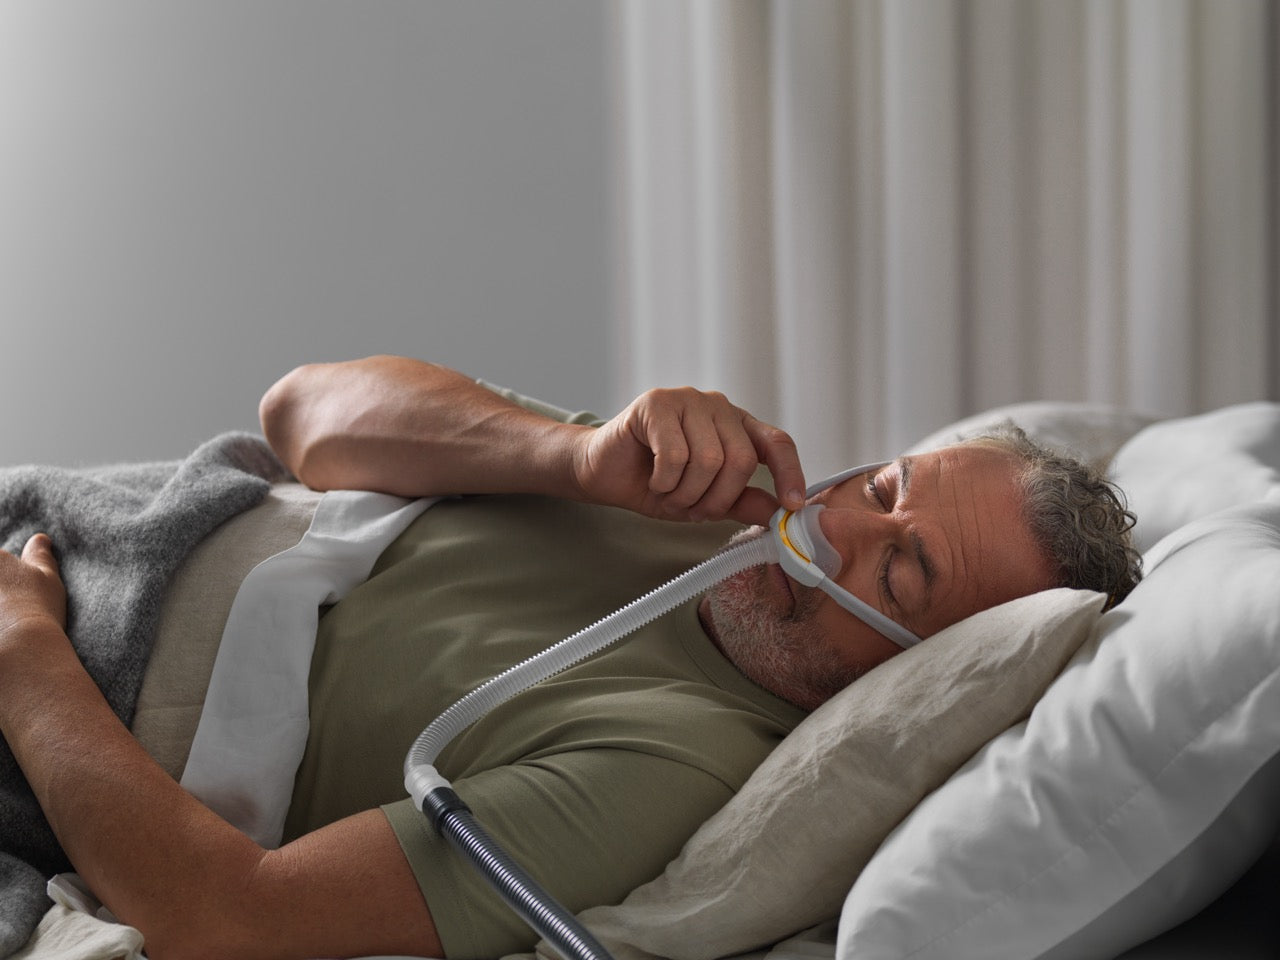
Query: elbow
[(206, 925), (330, 423), (289, 418), (207, 941), (223, 914), (278, 408), (186, 944)]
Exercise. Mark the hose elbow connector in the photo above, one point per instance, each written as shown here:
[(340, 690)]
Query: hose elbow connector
[(421, 780)]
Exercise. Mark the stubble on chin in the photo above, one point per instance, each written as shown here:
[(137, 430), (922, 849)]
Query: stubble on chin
[(776, 651)]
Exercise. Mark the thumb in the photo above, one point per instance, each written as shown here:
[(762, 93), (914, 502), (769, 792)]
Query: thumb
[(39, 553)]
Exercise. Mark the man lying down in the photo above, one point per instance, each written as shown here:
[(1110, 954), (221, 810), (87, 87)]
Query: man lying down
[(596, 778)]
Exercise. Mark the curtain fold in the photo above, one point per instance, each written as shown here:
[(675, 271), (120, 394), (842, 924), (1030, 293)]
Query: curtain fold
[(863, 219)]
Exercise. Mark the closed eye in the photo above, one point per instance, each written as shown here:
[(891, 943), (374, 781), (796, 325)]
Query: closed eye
[(874, 492), (883, 579)]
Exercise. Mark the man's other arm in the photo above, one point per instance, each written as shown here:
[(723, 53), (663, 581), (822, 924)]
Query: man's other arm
[(162, 862), (414, 429)]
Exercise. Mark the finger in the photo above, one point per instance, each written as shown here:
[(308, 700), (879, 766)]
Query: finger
[(777, 451), (706, 458), (754, 506), (666, 441), (738, 465), (38, 552)]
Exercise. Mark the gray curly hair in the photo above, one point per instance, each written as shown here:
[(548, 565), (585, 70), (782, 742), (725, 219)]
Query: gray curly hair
[(1079, 518)]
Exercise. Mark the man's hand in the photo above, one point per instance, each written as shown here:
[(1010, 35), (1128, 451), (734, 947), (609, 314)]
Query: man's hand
[(684, 454), (32, 596)]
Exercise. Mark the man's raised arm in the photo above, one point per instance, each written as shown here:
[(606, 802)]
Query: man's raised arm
[(413, 429)]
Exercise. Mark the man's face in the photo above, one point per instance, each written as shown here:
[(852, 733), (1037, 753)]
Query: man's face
[(927, 540)]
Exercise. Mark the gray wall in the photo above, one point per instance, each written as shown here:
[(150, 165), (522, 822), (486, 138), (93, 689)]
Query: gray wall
[(197, 196)]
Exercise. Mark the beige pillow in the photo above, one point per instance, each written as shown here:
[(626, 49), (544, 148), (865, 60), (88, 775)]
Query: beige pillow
[(783, 853), (194, 611)]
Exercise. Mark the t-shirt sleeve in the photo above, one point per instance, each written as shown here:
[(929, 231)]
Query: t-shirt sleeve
[(544, 408), (590, 825), (761, 478)]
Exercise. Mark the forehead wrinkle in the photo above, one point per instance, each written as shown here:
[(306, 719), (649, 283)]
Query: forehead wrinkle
[(942, 564), (959, 498), (928, 568), (993, 529), (975, 544)]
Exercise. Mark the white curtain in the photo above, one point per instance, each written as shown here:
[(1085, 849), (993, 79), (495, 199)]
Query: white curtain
[(865, 219)]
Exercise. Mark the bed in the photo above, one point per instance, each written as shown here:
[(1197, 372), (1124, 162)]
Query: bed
[(1045, 780)]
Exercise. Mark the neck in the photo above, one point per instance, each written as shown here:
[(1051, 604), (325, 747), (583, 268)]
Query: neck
[(709, 626)]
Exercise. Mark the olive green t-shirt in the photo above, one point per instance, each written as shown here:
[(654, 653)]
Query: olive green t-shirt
[(592, 780)]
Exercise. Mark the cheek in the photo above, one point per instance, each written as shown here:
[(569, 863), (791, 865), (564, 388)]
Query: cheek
[(848, 638), (861, 579)]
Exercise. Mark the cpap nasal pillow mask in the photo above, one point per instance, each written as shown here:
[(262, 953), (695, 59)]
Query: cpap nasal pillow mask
[(807, 556), (794, 541)]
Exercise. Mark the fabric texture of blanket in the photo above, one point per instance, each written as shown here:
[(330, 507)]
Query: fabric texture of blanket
[(119, 534)]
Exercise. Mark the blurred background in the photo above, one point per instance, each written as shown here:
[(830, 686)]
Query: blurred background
[(862, 219), (200, 194)]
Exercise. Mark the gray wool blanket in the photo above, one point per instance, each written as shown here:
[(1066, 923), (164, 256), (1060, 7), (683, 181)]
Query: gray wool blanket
[(119, 534)]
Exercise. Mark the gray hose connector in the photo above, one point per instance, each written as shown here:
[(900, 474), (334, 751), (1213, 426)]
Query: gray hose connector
[(557, 925)]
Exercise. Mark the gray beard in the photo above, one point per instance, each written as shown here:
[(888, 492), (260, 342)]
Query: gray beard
[(780, 654)]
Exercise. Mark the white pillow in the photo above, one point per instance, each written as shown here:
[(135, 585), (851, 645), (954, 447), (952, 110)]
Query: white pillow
[(1166, 714), (1089, 431), (1178, 470)]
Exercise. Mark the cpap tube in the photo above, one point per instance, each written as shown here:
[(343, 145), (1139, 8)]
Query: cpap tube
[(454, 820), (420, 773), (797, 543)]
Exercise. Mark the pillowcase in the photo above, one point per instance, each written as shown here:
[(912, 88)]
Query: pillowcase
[(1178, 470), (1089, 431), (780, 856), (1053, 841)]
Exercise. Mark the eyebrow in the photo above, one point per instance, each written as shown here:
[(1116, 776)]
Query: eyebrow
[(927, 566)]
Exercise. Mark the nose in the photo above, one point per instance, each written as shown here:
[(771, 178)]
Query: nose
[(854, 532)]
